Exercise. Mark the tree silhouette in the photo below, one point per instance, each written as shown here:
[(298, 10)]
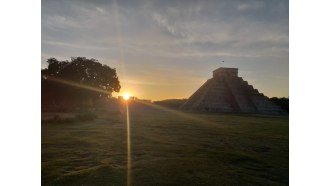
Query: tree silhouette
[(282, 102), (79, 71)]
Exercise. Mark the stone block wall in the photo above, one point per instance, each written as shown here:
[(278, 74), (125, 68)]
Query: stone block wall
[(226, 92)]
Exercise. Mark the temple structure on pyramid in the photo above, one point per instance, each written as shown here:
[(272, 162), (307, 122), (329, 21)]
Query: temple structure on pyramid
[(227, 92)]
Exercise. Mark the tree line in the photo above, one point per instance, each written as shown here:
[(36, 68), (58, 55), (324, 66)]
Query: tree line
[(79, 82), (282, 102)]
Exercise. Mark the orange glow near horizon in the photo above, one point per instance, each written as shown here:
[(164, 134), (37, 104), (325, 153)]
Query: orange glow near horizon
[(126, 96)]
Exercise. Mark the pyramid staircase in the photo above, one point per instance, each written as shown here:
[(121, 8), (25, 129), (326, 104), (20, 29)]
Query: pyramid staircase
[(229, 93)]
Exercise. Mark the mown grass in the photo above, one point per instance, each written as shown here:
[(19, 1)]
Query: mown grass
[(167, 150)]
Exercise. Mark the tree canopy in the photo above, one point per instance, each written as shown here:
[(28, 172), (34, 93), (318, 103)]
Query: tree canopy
[(282, 102), (77, 81)]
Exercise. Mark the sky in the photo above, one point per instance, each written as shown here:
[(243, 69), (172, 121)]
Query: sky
[(168, 49)]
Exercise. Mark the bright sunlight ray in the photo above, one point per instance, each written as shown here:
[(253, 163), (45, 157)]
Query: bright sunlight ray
[(128, 145), (126, 97)]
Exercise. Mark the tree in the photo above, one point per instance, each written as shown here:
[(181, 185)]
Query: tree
[(79, 81), (282, 102), (171, 103)]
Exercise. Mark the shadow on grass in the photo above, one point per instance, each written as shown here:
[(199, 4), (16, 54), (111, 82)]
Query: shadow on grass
[(59, 119)]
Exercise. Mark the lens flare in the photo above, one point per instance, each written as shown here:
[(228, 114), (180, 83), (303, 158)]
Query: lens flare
[(189, 116), (200, 120), (126, 96), (128, 146)]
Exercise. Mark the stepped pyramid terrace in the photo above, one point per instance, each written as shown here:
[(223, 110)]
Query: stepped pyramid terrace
[(227, 92)]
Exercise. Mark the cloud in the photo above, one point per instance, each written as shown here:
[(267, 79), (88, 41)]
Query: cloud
[(64, 44), (250, 6), (163, 22), (192, 28), (187, 35)]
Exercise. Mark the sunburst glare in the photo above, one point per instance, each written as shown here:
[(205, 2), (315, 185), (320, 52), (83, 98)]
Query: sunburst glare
[(126, 96)]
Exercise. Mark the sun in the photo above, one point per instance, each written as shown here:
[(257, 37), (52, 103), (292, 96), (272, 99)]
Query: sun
[(126, 96)]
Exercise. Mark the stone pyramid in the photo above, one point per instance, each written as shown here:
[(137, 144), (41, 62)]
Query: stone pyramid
[(226, 92)]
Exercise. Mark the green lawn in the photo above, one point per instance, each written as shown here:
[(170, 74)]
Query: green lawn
[(167, 149)]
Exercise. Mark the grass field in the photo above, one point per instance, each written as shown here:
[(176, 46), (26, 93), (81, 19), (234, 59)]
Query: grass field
[(167, 149)]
